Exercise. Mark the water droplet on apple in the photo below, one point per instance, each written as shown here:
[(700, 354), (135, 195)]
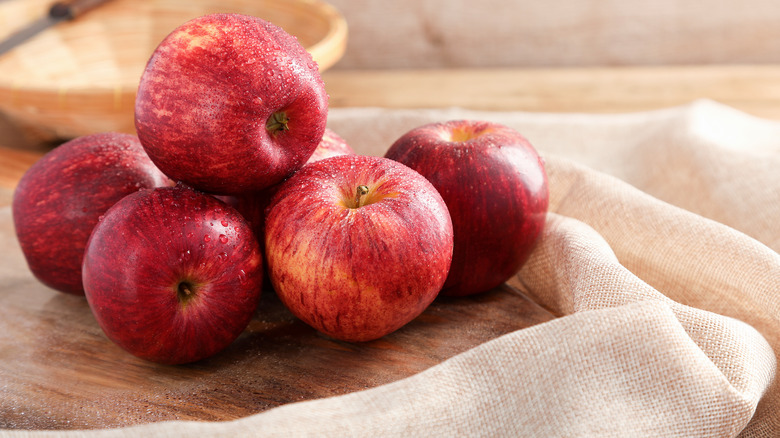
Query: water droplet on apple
[(223, 238), (242, 276), (221, 257), (224, 222), (207, 238), (190, 235)]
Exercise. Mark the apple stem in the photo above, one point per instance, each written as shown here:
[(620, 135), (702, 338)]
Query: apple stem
[(185, 292), (277, 122), (184, 288), (362, 190)]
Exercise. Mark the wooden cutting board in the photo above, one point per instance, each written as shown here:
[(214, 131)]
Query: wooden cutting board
[(58, 370)]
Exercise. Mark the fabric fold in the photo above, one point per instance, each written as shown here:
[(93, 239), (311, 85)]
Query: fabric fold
[(579, 272)]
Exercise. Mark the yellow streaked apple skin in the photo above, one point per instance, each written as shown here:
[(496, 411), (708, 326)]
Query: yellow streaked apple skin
[(357, 268)]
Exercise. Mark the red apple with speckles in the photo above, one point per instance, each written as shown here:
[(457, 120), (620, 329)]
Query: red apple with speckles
[(357, 246), (230, 104), (495, 187), (252, 205), (60, 198), (172, 275)]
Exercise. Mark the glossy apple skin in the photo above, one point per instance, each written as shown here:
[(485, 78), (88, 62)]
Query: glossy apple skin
[(60, 198), (209, 90), (357, 274), (495, 187), (331, 145), (149, 244), (252, 205)]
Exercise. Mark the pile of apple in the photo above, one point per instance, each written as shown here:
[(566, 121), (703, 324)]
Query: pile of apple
[(232, 174)]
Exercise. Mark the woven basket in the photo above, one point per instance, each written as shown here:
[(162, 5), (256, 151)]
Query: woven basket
[(81, 77)]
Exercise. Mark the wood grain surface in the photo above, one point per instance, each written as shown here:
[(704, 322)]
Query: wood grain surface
[(455, 33), (754, 89), (59, 371)]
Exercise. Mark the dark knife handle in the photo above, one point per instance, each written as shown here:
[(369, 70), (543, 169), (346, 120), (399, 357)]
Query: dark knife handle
[(71, 9)]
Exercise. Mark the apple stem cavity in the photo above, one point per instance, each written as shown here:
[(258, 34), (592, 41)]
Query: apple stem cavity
[(185, 292), (277, 122), (466, 133)]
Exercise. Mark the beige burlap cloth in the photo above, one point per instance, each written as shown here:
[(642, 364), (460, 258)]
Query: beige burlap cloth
[(660, 256)]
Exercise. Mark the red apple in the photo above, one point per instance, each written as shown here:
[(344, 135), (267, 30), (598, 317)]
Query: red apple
[(172, 275), (495, 187), (357, 246), (331, 145), (230, 104), (60, 198), (252, 205)]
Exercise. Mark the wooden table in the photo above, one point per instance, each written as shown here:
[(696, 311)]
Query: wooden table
[(59, 371)]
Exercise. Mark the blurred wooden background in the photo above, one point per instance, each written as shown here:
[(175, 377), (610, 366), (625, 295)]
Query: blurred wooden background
[(558, 33)]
